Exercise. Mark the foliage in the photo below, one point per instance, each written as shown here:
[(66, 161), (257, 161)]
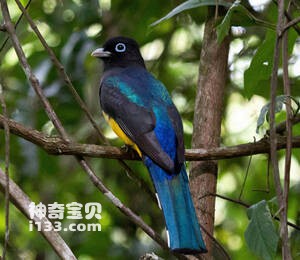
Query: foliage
[(261, 235), (258, 75), (73, 29), (238, 15), (190, 4), (264, 112)]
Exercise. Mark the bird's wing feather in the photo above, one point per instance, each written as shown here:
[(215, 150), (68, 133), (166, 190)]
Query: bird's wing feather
[(177, 124), (136, 122)]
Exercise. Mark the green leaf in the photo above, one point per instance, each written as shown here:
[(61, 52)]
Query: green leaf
[(190, 4), (224, 26), (261, 117), (279, 101), (238, 15), (261, 235), (257, 76)]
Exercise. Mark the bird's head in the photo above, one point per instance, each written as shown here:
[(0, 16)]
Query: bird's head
[(119, 52)]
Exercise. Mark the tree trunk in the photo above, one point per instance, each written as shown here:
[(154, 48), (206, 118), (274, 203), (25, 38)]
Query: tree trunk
[(207, 123)]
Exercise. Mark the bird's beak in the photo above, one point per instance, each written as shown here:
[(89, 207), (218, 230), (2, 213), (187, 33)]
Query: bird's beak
[(101, 53)]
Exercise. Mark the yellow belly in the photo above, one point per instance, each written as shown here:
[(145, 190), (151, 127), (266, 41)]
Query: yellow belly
[(115, 127)]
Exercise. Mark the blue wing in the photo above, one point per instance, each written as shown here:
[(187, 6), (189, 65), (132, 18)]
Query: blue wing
[(143, 109)]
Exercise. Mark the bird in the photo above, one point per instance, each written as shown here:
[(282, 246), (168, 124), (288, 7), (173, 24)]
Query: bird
[(141, 112)]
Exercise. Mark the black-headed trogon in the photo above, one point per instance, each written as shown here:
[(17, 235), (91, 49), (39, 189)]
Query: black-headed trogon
[(140, 111)]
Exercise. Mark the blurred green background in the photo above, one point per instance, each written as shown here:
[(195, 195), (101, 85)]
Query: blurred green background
[(73, 29)]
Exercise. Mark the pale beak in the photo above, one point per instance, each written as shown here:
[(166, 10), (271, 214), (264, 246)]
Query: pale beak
[(101, 53)]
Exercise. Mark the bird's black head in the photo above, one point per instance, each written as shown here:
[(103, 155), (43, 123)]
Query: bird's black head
[(119, 52)]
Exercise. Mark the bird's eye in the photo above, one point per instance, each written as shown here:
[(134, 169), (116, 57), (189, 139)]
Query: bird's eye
[(120, 47)]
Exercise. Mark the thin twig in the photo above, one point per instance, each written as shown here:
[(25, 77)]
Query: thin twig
[(136, 219), (289, 136), (281, 127), (290, 18), (3, 28), (290, 24), (268, 174), (219, 251), (246, 175), (287, 91), (238, 201), (7, 159), (273, 137), (246, 205), (125, 210), (22, 202), (217, 10), (139, 181)]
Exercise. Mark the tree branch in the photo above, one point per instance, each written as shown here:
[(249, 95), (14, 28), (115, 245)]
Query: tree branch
[(242, 203), (286, 254), (22, 201), (290, 19), (281, 127), (127, 211), (57, 146), (7, 159), (3, 28), (290, 24), (289, 136)]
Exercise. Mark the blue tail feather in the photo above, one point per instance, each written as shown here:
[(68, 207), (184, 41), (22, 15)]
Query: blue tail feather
[(179, 212)]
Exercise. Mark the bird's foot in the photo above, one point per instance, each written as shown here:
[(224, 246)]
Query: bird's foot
[(126, 148), (129, 150)]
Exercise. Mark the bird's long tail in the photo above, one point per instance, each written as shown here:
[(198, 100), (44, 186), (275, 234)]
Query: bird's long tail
[(175, 200)]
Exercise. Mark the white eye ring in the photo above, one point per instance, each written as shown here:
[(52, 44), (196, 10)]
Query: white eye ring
[(120, 47)]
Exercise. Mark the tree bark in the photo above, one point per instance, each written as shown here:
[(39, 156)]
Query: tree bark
[(207, 123), (55, 145)]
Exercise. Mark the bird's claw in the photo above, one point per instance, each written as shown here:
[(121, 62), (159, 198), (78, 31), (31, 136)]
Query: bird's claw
[(129, 150)]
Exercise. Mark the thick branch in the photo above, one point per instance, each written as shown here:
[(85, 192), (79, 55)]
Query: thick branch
[(207, 120), (56, 146)]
